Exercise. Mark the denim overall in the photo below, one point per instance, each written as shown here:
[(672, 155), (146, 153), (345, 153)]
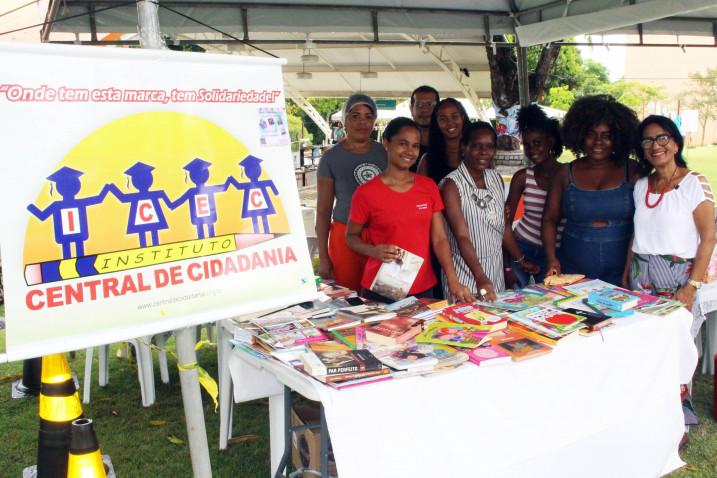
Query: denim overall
[(597, 252)]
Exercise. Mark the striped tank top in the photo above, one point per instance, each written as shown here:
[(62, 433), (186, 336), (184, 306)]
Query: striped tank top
[(530, 225)]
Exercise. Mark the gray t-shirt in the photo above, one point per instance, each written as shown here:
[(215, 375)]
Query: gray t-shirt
[(349, 171)]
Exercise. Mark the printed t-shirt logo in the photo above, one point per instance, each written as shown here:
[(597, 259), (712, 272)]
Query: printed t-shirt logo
[(365, 172), (422, 206)]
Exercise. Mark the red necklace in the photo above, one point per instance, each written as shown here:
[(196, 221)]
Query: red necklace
[(662, 194)]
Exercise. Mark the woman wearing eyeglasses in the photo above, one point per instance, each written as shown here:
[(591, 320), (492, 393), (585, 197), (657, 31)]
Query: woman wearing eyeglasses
[(593, 193), (473, 198), (674, 217)]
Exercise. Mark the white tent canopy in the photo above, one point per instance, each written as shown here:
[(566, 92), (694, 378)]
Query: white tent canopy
[(406, 43)]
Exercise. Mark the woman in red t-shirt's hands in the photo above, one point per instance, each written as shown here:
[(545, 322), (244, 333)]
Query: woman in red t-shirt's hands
[(401, 211)]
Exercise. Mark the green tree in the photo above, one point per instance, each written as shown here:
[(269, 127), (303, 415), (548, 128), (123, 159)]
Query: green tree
[(595, 79), (560, 97), (704, 97), (635, 94)]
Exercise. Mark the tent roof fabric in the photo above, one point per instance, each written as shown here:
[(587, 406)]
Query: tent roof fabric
[(406, 42)]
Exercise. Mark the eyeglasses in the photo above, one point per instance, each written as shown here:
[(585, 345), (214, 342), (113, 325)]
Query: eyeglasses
[(424, 104), (661, 139)]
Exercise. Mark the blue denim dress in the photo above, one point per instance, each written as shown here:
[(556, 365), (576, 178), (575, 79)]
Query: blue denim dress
[(597, 252)]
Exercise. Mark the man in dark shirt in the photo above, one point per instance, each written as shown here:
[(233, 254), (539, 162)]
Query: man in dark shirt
[(423, 100)]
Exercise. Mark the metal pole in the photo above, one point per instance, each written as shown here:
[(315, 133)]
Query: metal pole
[(148, 25), (523, 85), (192, 400)]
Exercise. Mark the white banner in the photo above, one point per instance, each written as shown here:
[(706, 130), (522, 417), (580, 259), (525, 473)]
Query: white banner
[(142, 191)]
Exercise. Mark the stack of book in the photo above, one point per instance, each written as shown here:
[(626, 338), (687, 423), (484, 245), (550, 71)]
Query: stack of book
[(343, 365)]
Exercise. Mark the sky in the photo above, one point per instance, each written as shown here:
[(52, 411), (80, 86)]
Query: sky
[(613, 57)]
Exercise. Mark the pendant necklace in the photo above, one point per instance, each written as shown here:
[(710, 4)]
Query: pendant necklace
[(662, 194)]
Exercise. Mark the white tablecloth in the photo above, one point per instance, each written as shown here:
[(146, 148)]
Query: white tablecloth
[(597, 406)]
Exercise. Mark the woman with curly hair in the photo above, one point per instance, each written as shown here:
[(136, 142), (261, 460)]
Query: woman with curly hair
[(542, 146), (444, 152), (593, 194)]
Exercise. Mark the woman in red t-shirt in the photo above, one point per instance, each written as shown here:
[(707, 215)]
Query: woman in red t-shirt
[(401, 211)]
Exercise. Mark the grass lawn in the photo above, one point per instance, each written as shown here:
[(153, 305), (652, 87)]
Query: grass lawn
[(138, 448)]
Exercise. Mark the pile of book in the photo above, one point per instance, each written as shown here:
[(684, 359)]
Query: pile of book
[(344, 342)]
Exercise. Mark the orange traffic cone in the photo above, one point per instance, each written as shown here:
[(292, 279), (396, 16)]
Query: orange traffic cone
[(59, 406), (85, 460)]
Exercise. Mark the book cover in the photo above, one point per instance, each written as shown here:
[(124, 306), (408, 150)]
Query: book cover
[(343, 377), (616, 299), (488, 354), (394, 279), (394, 331), (584, 287), (661, 307), (553, 323), (346, 361), (410, 307), (541, 337), (449, 333), (474, 314), (523, 348), (361, 314), (413, 358), (357, 382), (517, 300)]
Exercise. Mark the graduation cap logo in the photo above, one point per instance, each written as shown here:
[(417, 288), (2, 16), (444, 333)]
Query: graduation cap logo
[(64, 176), (138, 170), (196, 165)]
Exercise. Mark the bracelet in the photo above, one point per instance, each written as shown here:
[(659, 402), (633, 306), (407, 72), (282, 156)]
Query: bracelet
[(522, 258)]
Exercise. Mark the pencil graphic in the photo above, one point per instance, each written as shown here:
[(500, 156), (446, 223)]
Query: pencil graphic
[(108, 262)]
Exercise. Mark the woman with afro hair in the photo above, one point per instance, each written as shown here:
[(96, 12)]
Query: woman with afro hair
[(594, 193)]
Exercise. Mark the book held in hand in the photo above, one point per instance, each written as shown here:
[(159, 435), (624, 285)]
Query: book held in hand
[(394, 279)]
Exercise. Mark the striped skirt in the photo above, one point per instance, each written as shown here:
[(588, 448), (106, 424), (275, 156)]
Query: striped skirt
[(659, 275)]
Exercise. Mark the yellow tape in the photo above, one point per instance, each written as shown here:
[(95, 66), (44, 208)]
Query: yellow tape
[(60, 409), (205, 380)]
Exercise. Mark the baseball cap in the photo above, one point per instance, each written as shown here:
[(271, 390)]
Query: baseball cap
[(359, 99)]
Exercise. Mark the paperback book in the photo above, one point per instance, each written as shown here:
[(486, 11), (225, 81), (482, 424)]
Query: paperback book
[(340, 362), (394, 279), (469, 313), (449, 333), (488, 354), (414, 358), (523, 348), (553, 323), (517, 300), (614, 298), (394, 331)]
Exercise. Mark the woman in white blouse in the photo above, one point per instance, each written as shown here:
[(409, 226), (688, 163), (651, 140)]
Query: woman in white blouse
[(674, 217)]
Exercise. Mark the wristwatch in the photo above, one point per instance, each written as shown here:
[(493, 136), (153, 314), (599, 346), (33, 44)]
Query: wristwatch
[(694, 283)]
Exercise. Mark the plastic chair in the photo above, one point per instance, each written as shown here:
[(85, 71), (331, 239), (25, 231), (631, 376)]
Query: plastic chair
[(145, 367)]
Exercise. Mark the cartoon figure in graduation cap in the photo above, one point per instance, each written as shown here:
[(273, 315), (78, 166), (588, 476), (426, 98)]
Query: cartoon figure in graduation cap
[(257, 203), (69, 215), (145, 211), (202, 206)]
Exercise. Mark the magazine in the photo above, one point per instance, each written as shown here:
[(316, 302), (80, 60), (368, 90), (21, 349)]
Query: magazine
[(394, 279)]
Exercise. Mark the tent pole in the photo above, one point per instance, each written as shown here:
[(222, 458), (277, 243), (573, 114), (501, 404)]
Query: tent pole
[(523, 85), (148, 25)]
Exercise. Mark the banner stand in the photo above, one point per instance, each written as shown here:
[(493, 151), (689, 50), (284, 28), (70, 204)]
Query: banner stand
[(192, 400)]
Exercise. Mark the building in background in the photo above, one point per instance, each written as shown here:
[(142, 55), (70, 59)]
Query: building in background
[(669, 67)]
